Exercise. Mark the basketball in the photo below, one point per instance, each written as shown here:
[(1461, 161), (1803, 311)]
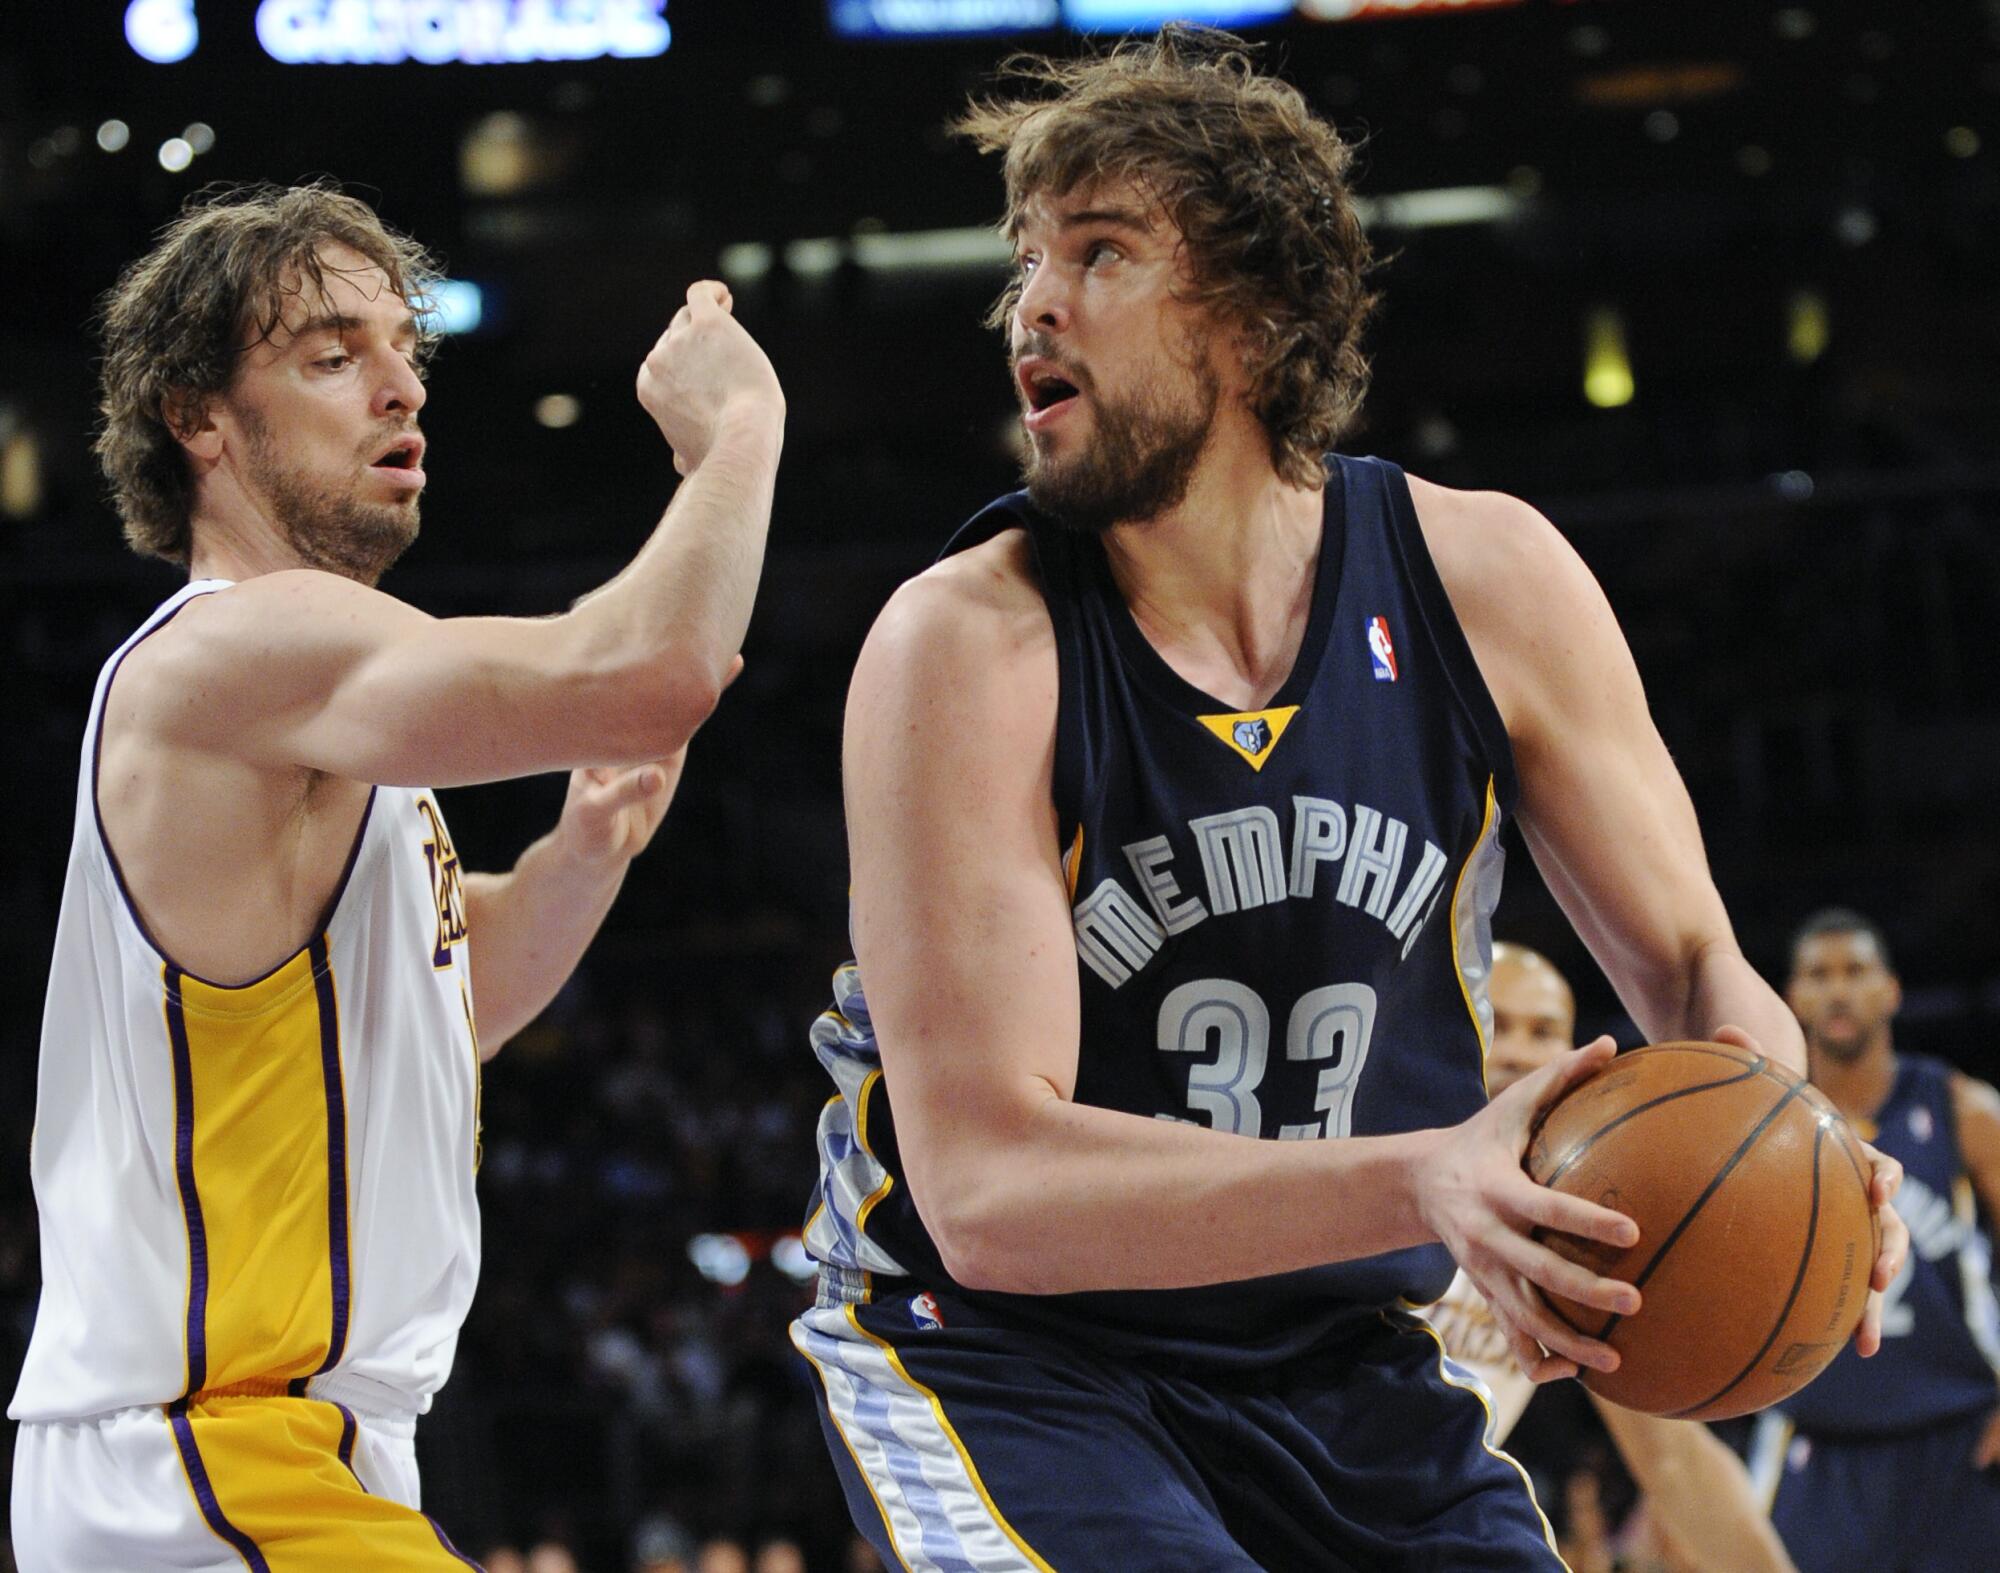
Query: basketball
[(1756, 1235)]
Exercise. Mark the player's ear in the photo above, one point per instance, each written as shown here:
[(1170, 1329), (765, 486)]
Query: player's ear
[(191, 420)]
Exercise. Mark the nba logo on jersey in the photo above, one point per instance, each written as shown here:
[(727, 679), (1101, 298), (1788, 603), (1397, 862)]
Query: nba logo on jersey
[(1920, 1123), (924, 1312), (1253, 736), (1381, 650)]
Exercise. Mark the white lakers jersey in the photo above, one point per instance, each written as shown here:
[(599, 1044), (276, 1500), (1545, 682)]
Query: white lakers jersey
[(266, 1188), (1474, 1342)]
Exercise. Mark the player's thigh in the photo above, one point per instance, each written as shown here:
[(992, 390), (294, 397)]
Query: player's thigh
[(971, 1450), (1835, 1506), (1956, 1512), (266, 1484), (1371, 1454)]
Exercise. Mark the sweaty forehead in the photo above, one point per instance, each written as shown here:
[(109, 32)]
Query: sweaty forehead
[(345, 286), (1048, 212)]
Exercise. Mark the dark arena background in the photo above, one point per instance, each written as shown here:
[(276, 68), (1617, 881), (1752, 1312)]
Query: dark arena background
[(1714, 283)]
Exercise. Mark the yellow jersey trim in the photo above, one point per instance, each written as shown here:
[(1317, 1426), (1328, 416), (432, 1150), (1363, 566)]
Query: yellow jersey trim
[(1457, 962), (951, 1435), (888, 1529), (1444, 1373)]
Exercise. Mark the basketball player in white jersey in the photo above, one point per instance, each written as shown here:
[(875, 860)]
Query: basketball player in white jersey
[(1698, 1489), (257, 1120)]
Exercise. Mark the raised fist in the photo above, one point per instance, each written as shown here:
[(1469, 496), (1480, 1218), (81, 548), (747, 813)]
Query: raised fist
[(704, 369)]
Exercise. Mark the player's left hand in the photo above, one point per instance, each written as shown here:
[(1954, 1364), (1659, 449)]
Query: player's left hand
[(1987, 1453), (609, 816), (1884, 1180)]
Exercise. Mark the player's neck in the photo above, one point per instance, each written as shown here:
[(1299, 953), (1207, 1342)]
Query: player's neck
[(1860, 1086), (233, 539), (1222, 584)]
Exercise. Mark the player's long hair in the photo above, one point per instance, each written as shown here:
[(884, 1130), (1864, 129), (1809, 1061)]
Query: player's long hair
[(178, 321), (1255, 183)]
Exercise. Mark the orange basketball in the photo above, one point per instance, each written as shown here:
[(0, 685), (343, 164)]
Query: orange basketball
[(1756, 1235)]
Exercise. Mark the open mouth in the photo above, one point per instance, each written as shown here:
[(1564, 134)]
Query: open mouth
[(406, 453), (1043, 386)]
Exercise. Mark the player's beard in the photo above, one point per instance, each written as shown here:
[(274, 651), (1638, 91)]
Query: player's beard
[(1139, 460), (326, 529)]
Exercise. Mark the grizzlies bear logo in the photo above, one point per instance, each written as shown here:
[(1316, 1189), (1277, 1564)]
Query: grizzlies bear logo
[(1253, 736)]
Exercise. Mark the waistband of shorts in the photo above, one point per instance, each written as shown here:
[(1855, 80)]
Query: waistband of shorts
[(363, 1395), (855, 1285)]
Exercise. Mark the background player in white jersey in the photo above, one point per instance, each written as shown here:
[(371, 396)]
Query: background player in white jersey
[(1891, 1464), (256, 1126), (1697, 1488)]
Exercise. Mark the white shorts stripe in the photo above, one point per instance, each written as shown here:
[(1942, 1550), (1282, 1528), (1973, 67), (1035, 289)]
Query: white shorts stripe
[(939, 1516)]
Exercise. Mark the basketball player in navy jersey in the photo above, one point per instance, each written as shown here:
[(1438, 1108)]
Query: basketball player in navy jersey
[(1173, 798), (1890, 1464)]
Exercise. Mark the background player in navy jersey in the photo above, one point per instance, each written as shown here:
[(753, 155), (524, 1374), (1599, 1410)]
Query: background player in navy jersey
[(1697, 1491), (1172, 802), (1890, 1464)]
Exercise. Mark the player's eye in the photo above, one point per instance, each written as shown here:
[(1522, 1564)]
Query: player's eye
[(1097, 251)]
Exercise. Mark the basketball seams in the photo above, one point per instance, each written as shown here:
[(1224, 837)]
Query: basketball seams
[(1582, 1148), (1791, 1299), (1715, 1184), (1679, 1150)]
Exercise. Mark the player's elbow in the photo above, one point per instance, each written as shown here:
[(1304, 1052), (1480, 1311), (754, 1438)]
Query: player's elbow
[(976, 1259), (647, 709), (981, 1239)]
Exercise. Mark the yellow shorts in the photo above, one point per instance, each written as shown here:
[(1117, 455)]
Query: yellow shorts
[(221, 1484)]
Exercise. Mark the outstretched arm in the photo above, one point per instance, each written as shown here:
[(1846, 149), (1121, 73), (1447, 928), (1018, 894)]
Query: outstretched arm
[(1699, 1488), (303, 669)]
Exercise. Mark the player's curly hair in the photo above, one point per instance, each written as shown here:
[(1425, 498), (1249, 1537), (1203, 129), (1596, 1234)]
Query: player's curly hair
[(1252, 179), (178, 321)]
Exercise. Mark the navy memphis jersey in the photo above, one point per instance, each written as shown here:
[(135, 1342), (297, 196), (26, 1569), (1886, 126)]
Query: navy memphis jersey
[(1940, 1327), (1281, 916)]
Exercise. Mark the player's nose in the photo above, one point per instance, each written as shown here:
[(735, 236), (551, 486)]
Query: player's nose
[(400, 388), (1044, 303)]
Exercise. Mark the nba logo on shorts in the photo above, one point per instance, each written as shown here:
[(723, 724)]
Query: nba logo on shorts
[(924, 1312), (1381, 650), (1251, 736)]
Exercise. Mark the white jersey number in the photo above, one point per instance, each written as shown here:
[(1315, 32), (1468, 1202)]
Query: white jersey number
[(1331, 1024)]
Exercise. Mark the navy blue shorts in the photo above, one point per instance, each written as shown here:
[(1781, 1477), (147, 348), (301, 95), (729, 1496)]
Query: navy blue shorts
[(1902, 1504), (967, 1445)]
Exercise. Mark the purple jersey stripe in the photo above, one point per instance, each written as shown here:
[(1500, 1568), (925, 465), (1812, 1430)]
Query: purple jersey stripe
[(336, 1148), (445, 1540), (197, 1233), (348, 1427), (204, 1493)]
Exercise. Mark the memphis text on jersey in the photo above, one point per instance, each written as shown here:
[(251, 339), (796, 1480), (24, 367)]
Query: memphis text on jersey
[(1250, 859)]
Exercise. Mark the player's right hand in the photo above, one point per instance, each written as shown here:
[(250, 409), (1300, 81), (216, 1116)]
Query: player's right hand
[(1477, 1199), (703, 370)]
